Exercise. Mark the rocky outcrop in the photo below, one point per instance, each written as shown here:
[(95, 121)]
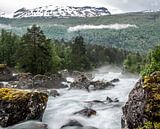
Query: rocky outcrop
[(21, 105), (28, 81), (142, 110), (83, 82), (5, 73)]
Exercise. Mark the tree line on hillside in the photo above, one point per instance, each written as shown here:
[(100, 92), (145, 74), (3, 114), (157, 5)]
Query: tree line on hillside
[(145, 65), (35, 53)]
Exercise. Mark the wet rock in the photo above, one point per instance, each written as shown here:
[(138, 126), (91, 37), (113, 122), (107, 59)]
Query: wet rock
[(115, 80), (88, 112), (108, 99), (20, 105), (25, 81), (40, 81), (77, 74), (100, 85), (54, 93), (1, 85), (43, 90), (56, 81), (64, 73), (30, 125), (72, 123), (143, 106), (5, 73), (94, 102)]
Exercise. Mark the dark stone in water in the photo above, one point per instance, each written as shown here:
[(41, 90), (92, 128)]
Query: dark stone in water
[(54, 93), (108, 99), (88, 112), (30, 125), (115, 80), (72, 123)]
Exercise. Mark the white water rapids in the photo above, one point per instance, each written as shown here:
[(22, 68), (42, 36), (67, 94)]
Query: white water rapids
[(60, 109)]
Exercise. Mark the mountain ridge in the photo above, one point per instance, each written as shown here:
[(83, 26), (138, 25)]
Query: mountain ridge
[(61, 11)]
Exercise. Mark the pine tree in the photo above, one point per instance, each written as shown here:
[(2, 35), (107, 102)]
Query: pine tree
[(35, 52), (79, 58), (8, 47)]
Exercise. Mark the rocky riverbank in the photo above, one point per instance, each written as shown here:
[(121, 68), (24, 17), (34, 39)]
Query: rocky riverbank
[(142, 110)]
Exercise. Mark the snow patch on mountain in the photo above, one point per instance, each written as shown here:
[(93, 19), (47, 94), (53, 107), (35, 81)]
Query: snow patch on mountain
[(61, 11), (111, 26)]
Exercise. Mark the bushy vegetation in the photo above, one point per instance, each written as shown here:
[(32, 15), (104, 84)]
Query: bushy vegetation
[(152, 62), (35, 53), (143, 64), (133, 63)]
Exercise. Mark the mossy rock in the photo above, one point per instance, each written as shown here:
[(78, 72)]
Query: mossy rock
[(20, 105), (142, 110), (3, 66), (151, 125)]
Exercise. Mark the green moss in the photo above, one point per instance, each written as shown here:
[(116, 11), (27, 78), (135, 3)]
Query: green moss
[(150, 125), (151, 88), (10, 94)]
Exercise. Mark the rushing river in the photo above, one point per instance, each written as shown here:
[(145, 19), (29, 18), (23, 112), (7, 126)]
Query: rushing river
[(60, 109)]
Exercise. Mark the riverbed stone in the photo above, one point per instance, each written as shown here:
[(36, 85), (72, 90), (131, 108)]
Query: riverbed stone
[(88, 112), (5, 73)]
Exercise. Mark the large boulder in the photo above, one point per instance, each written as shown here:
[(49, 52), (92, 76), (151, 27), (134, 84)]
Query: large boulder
[(142, 109), (5, 73), (20, 105)]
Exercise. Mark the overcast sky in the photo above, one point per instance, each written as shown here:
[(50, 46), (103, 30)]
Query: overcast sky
[(114, 6)]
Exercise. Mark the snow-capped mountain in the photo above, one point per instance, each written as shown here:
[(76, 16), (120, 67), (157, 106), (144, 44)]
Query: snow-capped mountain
[(57, 11), (2, 14), (151, 11)]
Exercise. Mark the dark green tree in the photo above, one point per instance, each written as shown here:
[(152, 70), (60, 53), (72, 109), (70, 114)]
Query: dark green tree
[(8, 47), (79, 58), (35, 52), (152, 62)]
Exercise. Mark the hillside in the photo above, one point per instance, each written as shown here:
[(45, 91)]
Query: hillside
[(133, 31)]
